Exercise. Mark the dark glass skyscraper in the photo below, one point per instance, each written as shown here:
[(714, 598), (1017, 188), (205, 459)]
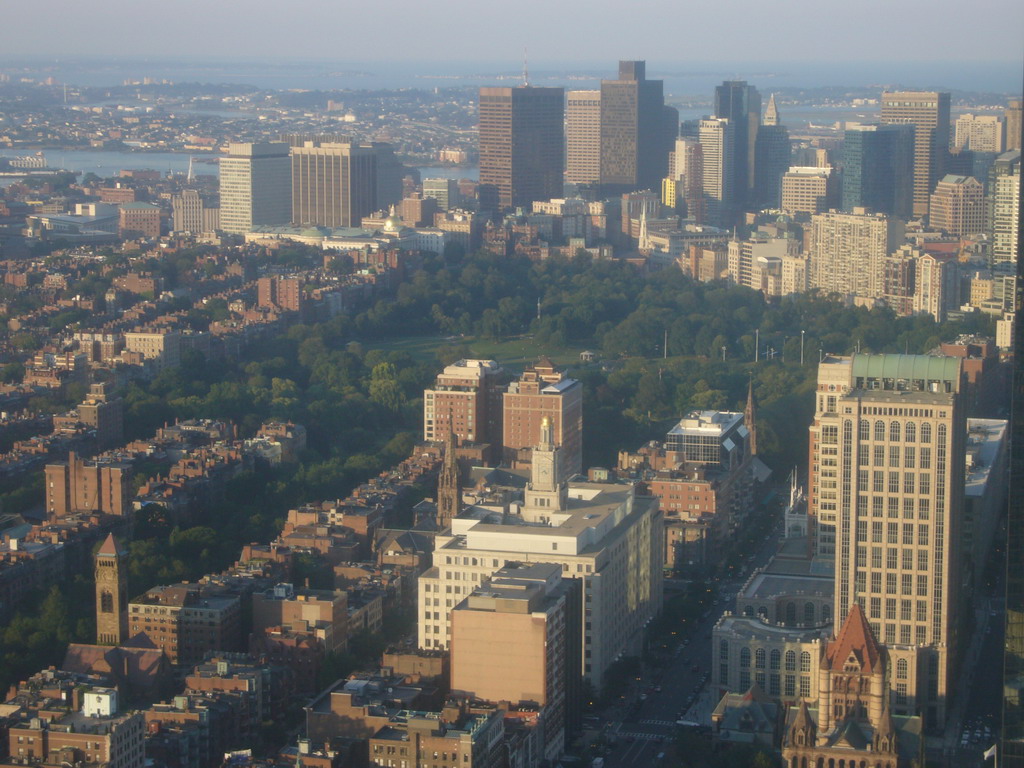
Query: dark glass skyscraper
[(521, 145), (1011, 753), (878, 169), (637, 130), (740, 104), (772, 154)]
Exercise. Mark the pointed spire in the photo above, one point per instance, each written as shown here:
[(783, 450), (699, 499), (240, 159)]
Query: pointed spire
[(111, 547), (750, 416), (449, 492), (885, 731), (771, 112), (856, 638), (803, 725)]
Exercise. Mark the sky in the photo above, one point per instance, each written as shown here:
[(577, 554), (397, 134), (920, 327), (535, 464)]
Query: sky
[(570, 31)]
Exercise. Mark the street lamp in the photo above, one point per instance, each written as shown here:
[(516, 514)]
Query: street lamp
[(802, 347), (723, 353)]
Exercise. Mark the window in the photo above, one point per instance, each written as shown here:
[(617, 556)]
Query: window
[(894, 482), (901, 669), (875, 610), (790, 661), (759, 658), (906, 610), (774, 660), (745, 658), (894, 455), (878, 482), (805, 686), (864, 430), (723, 651), (879, 431), (909, 432), (894, 432), (808, 614), (789, 685), (893, 533), (907, 584), (805, 666), (922, 559), (879, 457), (876, 506), (926, 434), (876, 532), (909, 456), (925, 484)]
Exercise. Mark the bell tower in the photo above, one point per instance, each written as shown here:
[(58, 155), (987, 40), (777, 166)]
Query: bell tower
[(449, 494), (111, 593)]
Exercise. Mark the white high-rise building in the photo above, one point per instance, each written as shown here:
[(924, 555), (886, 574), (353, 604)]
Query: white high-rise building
[(255, 187), (717, 136), (980, 133), (601, 533), (1005, 206)]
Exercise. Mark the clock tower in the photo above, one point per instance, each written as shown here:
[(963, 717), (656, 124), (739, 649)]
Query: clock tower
[(546, 490)]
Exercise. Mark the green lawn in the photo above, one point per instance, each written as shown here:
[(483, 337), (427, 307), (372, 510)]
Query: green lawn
[(514, 353)]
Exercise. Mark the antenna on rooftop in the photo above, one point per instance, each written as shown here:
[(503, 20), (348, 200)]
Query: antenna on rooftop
[(526, 69)]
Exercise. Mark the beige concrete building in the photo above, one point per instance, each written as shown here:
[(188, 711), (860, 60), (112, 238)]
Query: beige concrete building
[(583, 137), (886, 494), (600, 533), (848, 250), (333, 184), (980, 133), (255, 187), (510, 643), (163, 346), (773, 265), (808, 190), (958, 206)]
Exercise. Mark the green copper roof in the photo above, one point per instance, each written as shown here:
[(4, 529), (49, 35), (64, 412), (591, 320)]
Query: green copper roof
[(909, 367)]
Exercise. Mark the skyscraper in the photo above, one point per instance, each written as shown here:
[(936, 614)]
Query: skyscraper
[(1013, 124), (255, 187), (637, 130), (928, 111), (772, 153), (583, 137), (878, 169), (1004, 206), (740, 104), (521, 145), (717, 138), (958, 206), (1011, 751), (334, 184), (886, 490)]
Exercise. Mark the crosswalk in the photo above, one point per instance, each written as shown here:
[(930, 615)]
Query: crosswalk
[(657, 722), (642, 735)]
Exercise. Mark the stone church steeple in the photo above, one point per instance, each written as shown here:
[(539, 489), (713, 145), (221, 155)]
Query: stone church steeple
[(111, 564), (449, 492)]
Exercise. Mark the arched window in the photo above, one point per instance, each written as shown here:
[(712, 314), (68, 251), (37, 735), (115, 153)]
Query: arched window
[(744, 657), (864, 430), (774, 659), (894, 432), (826, 613), (791, 661), (879, 430), (759, 658), (926, 433), (805, 662), (909, 432), (791, 613), (106, 602), (901, 669), (748, 611), (723, 651), (941, 436), (808, 613)]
